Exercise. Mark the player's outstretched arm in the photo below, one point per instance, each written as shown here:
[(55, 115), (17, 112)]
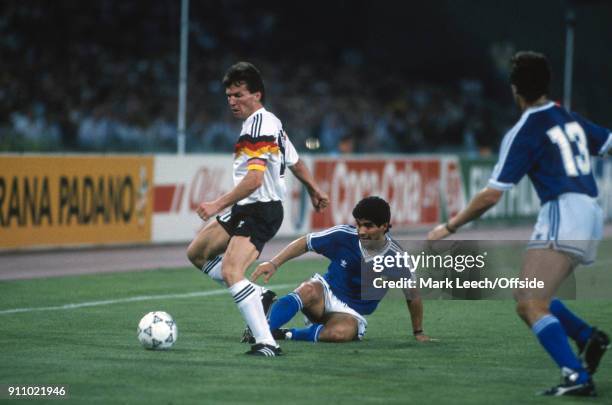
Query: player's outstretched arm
[(415, 307), (318, 198), (251, 182), (296, 248), (480, 204)]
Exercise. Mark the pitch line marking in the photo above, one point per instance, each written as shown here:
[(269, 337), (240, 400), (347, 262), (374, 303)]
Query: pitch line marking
[(128, 299), (154, 297)]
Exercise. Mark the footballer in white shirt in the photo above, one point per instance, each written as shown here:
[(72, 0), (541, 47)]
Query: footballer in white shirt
[(262, 154)]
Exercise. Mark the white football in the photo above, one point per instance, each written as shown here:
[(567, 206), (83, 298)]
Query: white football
[(157, 331)]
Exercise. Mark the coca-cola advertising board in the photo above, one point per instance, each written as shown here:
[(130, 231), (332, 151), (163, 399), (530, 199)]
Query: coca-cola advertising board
[(418, 189)]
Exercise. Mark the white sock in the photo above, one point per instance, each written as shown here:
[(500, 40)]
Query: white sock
[(248, 298), (213, 269)]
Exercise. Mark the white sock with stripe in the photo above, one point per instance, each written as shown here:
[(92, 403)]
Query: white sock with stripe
[(213, 269), (248, 298)]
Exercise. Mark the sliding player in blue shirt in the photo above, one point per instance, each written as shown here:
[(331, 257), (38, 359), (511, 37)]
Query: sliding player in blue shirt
[(553, 147), (334, 303)]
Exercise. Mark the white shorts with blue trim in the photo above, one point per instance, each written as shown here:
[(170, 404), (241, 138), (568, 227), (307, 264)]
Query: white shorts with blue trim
[(335, 304), (573, 223)]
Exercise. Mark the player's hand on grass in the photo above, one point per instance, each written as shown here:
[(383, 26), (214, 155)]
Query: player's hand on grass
[(267, 269), (207, 209), (439, 232), (319, 200)]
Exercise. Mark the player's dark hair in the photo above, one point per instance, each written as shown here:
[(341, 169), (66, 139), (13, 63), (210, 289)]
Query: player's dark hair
[(245, 72), (530, 74), (374, 209)]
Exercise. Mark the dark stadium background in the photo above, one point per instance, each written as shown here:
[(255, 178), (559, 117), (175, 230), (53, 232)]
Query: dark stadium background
[(390, 76), (393, 78)]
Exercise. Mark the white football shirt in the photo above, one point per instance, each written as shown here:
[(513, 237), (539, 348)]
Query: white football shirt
[(263, 145)]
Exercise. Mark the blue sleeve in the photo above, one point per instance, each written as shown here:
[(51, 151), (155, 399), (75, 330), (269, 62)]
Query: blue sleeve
[(599, 138), (327, 242), (515, 158)]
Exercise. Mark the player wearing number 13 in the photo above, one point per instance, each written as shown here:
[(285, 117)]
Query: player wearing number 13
[(553, 147)]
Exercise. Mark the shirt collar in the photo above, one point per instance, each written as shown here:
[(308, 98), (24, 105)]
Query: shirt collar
[(262, 109), (367, 257), (539, 108)]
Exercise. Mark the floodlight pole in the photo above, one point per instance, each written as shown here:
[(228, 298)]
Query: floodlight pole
[(570, 24), (180, 144)]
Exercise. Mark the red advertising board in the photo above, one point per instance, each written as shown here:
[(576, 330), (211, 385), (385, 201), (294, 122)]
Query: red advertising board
[(411, 186), (452, 188)]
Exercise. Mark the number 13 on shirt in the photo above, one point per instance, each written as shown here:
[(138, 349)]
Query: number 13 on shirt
[(574, 165)]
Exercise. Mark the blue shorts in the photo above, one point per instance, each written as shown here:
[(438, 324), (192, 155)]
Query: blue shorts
[(573, 223)]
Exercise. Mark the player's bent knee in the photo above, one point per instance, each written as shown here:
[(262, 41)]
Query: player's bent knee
[(522, 308), (527, 295), (308, 293), (338, 335), (531, 310), (518, 295), (199, 254), (526, 307), (195, 256)]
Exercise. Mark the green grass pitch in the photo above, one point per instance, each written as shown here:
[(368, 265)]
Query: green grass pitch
[(484, 354)]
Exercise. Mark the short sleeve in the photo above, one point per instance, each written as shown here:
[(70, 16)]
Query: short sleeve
[(291, 155), (265, 125), (328, 241), (258, 149), (599, 138), (515, 159)]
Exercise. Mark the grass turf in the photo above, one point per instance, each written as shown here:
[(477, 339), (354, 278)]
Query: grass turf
[(485, 354)]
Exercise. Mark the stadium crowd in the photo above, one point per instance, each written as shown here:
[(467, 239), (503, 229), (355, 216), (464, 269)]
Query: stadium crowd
[(102, 76)]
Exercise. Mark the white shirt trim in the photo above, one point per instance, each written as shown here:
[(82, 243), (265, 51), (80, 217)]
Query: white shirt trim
[(262, 109), (498, 185), (367, 257), (510, 137), (606, 146)]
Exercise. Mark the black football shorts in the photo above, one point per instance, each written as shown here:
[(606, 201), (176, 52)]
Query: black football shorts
[(259, 221)]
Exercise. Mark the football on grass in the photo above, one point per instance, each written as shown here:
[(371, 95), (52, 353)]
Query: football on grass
[(157, 331)]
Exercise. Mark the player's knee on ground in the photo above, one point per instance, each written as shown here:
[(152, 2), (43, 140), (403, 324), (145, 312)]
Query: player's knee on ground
[(338, 334), (309, 293)]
